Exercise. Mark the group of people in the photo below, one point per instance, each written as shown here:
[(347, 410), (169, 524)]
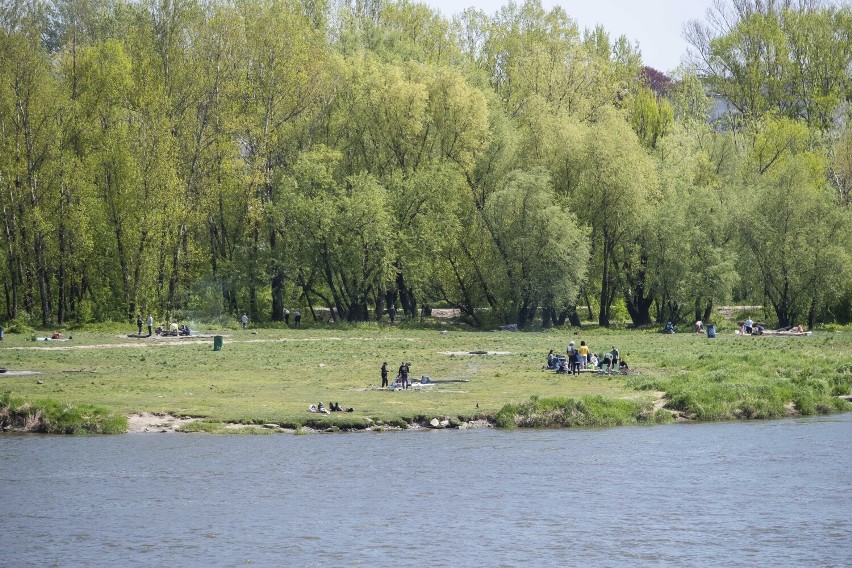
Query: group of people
[(403, 376), (334, 407), (173, 329), (751, 328), (698, 327), (580, 357), (149, 321)]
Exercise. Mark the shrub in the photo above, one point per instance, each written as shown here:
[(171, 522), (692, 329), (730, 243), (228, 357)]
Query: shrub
[(586, 411), (52, 417)]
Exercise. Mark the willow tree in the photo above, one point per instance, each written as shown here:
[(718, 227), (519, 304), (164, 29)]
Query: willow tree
[(615, 180), (340, 233), (798, 248), (540, 253), (417, 128)]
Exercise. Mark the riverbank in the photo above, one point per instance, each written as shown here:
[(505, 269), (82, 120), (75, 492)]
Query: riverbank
[(265, 380), (146, 423)]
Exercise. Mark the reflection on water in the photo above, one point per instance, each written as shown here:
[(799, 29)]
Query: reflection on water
[(756, 493)]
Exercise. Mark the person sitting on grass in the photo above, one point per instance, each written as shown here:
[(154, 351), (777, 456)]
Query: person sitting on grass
[(551, 360), (593, 361), (622, 367)]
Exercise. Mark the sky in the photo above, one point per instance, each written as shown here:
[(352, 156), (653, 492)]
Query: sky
[(657, 25)]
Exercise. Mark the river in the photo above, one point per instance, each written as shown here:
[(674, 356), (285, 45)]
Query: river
[(767, 493)]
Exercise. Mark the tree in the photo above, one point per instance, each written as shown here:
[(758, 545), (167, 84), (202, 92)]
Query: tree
[(540, 253), (615, 180), (30, 111), (342, 229), (781, 57), (798, 248), (284, 76)]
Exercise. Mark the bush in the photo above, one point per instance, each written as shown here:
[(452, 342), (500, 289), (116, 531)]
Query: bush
[(52, 417), (586, 411), (19, 325)]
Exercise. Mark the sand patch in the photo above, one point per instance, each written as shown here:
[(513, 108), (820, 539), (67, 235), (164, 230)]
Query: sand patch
[(148, 422)]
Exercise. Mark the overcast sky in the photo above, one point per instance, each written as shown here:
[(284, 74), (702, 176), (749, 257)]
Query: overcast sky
[(656, 24)]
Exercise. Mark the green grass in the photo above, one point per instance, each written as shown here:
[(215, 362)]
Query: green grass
[(52, 417), (271, 376)]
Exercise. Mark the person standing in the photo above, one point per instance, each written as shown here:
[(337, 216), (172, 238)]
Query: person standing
[(384, 374), (244, 319), (748, 325), (613, 357), (404, 369), (139, 323), (392, 312), (286, 316), (150, 322), (584, 354), (575, 362), (297, 318)]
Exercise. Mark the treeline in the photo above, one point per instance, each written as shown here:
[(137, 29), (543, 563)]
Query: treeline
[(213, 157)]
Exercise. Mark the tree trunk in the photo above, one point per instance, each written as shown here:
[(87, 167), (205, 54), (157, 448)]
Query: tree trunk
[(60, 277), (277, 282), (41, 272), (708, 311), (605, 302), (637, 302), (380, 304), (639, 308), (812, 314), (546, 316), (253, 262), (523, 315), (573, 316), (407, 299)]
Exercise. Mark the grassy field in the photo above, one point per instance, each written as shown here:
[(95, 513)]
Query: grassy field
[(273, 375)]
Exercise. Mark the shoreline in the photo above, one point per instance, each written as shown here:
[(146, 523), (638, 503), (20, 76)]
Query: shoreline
[(151, 423)]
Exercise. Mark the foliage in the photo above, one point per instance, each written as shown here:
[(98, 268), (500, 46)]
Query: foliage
[(53, 417), (587, 411), (214, 158)]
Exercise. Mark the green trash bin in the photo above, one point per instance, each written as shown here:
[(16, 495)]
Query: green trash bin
[(217, 343)]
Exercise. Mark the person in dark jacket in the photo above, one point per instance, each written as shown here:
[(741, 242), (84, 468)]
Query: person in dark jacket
[(576, 359)]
